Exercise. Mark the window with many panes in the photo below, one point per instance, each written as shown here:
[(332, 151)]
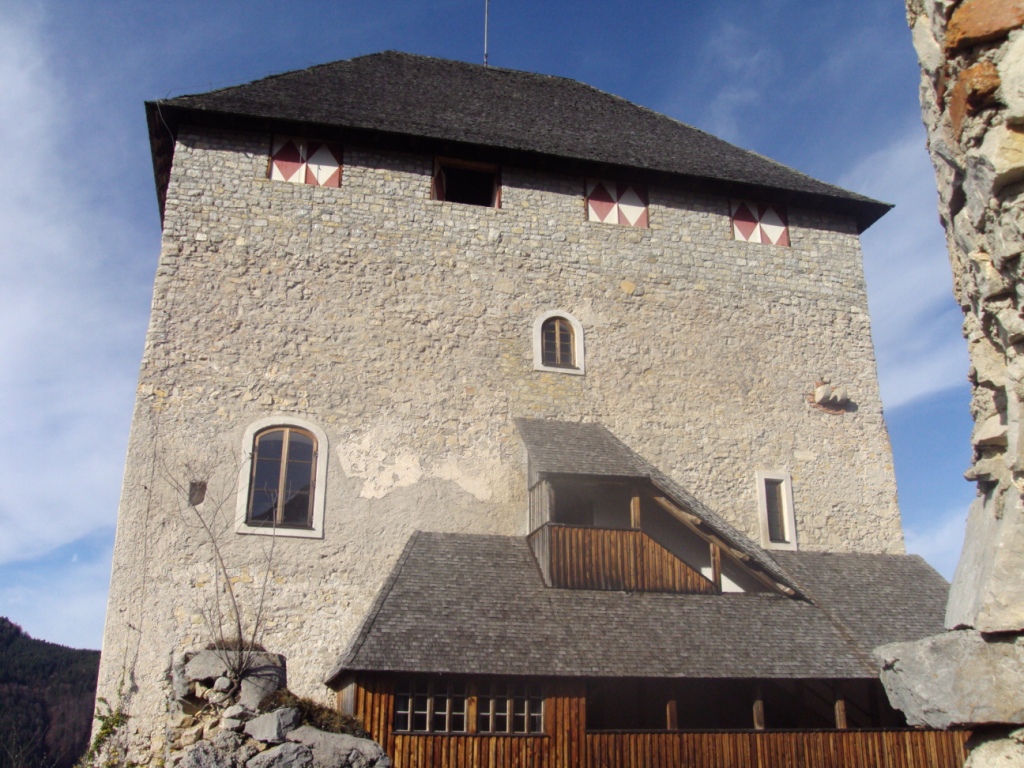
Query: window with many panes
[(510, 707), (282, 480), (557, 343), (431, 706)]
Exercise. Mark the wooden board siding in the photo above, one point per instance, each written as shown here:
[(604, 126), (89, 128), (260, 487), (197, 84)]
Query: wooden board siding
[(619, 560), (778, 749), (560, 746)]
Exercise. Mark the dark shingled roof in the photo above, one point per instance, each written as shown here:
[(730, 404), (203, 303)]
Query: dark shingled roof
[(562, 447), (879, 598), (474, 604), (453, 102)]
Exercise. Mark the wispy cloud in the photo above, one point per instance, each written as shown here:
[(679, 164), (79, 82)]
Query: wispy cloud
[(62, 597), (938, 540), (70, 315), (915, 322)]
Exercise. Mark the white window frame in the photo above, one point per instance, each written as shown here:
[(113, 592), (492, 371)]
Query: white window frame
[(577, 343), (788, 516), (319, 485)]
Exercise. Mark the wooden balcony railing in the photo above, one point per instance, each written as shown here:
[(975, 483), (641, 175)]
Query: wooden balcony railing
[(610, 559), (777, 749)]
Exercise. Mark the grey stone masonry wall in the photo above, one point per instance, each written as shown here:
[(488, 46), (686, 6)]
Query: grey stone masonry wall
[(972, 100), (402, 327)]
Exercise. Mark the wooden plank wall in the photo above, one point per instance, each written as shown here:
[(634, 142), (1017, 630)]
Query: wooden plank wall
[(779, 749), (621, 560), (561, 746)]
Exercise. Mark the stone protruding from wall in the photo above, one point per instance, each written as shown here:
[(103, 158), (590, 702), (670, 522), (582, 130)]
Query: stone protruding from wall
[(972, 96)]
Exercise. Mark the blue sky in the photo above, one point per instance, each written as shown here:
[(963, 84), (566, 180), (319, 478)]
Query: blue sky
[(829, 88)]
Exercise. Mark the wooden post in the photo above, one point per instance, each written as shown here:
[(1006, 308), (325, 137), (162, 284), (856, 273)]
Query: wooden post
[(841, 713), (634, 509), (671, 715), (716, 566), (758, 708)]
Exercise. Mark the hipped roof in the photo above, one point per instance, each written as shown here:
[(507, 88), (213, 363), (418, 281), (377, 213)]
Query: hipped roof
[(435, 105), (476, 604)]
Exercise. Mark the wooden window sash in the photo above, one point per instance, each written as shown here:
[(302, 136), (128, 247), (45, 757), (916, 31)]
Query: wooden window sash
[(282, 475)]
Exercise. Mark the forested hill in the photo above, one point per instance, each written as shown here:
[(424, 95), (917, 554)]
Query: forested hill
[(46, 700)]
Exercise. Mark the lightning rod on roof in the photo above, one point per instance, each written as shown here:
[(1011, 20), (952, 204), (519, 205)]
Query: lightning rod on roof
[(487, 13)]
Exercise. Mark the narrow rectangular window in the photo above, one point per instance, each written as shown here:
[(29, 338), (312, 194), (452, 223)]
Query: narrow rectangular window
[(775, 510)]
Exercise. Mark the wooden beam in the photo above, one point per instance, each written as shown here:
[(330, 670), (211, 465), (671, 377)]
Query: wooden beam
[(672, 715), (634, 509), (841, 714), (716, 566), (695, 524), (758, 708)]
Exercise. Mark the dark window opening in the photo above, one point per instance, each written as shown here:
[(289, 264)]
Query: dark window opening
[(467, 183), (557, 343), (773, 490), (281, 482), (591, 502), (729, 704)]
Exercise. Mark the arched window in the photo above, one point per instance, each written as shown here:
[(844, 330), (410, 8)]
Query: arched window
[(558, 343), (282, 481), (283, 475)]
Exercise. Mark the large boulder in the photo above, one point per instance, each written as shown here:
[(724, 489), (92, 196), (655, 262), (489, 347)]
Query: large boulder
[(283, 756), (339, 750), (959, 678), (264, 674), (272, 727)]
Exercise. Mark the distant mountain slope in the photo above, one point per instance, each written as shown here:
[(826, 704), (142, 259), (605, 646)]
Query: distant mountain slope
[(46, 700)]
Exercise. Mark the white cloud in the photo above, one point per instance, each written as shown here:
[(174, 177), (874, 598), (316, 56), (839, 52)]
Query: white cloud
[(938, 540), (71, 332), (915, 322)]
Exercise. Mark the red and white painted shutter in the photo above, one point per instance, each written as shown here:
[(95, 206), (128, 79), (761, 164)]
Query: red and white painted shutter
[(615, 203), (754, 222)]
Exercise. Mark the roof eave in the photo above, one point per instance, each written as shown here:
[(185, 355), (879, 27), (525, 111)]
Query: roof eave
[(165, 118)]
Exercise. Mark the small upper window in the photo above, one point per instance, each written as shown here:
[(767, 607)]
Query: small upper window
[(459, 181), (281, 481), (558, 343), (754, 222), (305, 161), (775, 505), (612, 202)]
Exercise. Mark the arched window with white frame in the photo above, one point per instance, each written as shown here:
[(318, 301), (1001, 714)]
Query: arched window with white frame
[(281, 482), (558, 343)]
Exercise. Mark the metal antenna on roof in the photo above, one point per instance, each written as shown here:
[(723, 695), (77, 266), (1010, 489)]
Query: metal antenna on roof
[(487, 13)]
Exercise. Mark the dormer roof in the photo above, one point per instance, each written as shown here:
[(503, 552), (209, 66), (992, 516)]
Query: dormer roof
[(404, 101)]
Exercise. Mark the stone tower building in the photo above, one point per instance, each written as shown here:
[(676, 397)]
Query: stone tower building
[(401, 294)]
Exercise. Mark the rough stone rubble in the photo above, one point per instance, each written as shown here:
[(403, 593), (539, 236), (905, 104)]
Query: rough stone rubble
[(972, 96)]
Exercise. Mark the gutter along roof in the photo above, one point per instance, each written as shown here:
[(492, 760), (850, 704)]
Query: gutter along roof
[(435, 105)]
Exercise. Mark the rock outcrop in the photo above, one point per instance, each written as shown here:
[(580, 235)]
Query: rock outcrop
[(972, 97), (218, 726)]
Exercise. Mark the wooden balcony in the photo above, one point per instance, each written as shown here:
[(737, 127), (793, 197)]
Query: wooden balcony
[(628, 560), (777, 749)]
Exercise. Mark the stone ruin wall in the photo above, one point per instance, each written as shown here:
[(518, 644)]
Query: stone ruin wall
[(402, 327), (972, 96)]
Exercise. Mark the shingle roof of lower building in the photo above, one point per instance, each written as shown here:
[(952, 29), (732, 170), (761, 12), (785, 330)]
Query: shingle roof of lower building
[(879, 598), (475, 604), (405, 95)]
